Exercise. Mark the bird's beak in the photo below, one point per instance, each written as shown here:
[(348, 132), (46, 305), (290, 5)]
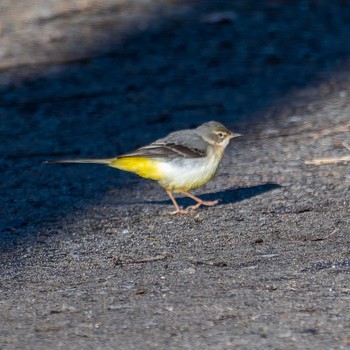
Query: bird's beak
[(234, 135)]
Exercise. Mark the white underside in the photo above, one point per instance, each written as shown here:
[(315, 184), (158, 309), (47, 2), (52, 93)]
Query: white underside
[(188, 173)]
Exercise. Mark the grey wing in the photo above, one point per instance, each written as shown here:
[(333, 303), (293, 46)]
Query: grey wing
[(185, 144)]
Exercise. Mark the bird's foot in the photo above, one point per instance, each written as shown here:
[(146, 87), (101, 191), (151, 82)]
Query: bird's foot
[(179, 211), (210, 203), (206, 203)]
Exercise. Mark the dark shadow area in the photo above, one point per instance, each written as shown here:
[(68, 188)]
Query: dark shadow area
[(228, 196), (126, 80)]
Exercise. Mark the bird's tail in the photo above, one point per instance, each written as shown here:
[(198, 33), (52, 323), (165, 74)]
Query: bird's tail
[(91, 161)]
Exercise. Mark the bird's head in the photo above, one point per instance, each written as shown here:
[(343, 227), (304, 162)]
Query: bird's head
[(216, 134)]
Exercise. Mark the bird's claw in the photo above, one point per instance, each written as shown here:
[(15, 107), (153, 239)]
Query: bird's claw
[(192, 207), (206, 203), (179, 211)]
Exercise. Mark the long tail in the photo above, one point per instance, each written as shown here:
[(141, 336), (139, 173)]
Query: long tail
[(93, 161)]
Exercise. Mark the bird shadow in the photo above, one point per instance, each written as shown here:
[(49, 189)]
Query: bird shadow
[(225, 197)]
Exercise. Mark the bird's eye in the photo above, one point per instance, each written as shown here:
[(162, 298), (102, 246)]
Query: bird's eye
[(221, 135)]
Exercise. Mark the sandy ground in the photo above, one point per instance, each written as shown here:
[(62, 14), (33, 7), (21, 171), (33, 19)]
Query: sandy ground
[(90, 259)]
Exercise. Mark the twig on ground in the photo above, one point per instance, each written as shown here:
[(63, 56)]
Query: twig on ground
[(117, 260), (324, 238), (323, 161)]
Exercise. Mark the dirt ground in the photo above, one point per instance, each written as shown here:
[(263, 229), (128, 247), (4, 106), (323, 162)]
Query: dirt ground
[(90, 259)]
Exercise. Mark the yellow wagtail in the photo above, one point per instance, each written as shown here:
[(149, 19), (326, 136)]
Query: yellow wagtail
[(182, 161)]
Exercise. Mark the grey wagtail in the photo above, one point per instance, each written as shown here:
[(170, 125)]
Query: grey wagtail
[(182, 161)]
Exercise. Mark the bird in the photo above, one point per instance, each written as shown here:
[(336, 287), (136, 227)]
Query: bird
[(181, 161)]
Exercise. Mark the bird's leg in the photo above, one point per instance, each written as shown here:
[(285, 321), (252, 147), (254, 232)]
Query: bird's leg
[(178, 210), (198, 200)]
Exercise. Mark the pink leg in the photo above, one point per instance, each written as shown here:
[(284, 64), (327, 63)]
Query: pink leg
[(178, 210), (198, 200)]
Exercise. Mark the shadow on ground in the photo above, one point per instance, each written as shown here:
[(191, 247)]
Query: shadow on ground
[(228, 196), (226, 60)]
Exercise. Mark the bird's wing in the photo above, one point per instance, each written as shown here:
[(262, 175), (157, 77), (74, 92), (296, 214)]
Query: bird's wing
[(184, 144)]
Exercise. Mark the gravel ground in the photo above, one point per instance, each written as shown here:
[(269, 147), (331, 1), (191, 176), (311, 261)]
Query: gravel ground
[(90, 259)]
